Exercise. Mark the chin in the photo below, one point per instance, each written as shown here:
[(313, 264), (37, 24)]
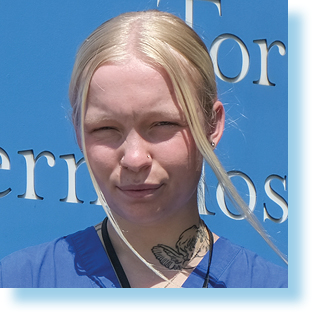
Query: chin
[(141, 215)]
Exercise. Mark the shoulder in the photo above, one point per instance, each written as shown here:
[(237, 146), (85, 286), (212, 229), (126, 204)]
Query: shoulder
[(42, 265), (30, 267), (238, 267)]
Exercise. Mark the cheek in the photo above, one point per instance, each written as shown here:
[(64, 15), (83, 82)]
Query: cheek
[(183, 154), (102, 160)]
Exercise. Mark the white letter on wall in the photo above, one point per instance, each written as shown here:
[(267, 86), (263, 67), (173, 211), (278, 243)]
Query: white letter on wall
[(72, 169), (190, 9), (4, 165), (252, 196), (276, 198), (264, 52), (30, 171), (214, 50)]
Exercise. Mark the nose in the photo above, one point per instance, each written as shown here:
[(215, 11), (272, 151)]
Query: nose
[(136, 155)]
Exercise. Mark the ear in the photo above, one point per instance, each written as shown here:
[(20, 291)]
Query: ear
[(215, 132)]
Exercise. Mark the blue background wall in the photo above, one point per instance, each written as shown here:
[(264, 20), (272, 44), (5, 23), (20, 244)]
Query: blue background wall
[(38, 42)]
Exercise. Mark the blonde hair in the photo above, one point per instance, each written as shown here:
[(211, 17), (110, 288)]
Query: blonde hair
[(162, 40)]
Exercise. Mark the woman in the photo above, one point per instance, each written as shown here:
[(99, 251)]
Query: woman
[(146, 114)]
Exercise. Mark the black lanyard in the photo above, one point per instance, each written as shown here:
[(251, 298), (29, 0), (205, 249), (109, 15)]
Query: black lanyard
[(206, 282), (120, 273)]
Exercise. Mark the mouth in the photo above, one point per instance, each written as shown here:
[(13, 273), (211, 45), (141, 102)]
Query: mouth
[(140, 191)]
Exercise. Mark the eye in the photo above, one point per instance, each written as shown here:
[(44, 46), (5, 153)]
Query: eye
[(166, 123), (105, 128)]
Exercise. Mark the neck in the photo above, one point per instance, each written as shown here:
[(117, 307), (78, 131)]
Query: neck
[(172, 246)]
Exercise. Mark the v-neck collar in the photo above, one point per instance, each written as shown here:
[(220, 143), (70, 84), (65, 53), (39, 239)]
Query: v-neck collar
[(92, 258)]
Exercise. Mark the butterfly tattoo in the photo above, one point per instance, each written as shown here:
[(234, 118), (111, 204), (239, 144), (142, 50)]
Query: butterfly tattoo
[(178, 258)]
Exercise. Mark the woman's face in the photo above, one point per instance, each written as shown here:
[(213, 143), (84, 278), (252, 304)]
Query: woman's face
[(139, 145)]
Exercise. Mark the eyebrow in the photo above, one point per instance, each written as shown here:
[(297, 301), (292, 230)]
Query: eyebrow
[(155, 114)]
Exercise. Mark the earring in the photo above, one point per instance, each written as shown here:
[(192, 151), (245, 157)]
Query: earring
[(148, 156), (212, 144)]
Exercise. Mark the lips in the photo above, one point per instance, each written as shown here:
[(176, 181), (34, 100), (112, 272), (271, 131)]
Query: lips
[(140, 191)]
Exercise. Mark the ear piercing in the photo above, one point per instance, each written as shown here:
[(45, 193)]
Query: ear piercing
[(212, 144)]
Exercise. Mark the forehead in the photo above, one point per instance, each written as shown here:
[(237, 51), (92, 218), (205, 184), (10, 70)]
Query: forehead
[(133, 72), (130, 87)]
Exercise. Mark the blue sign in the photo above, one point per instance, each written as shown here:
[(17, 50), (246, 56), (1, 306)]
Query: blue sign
[(45, 190)]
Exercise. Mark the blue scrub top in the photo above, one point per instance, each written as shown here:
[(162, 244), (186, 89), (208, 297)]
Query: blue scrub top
[(80, 261)]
